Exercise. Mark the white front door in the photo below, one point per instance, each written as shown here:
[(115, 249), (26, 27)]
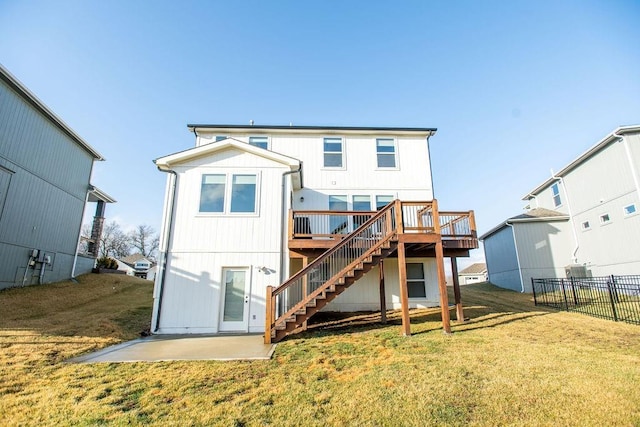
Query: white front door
[(234, 315)]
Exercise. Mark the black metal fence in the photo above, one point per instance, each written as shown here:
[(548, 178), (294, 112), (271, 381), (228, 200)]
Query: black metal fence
[(612, 297)]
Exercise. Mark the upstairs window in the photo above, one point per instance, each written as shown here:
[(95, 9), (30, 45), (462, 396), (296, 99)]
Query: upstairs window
[(221, 137), (215, 196), (630, 209), (605, 219), (556, 195), (415, 281), (212, 193), (259, 141), (333, 153), (386, 152)]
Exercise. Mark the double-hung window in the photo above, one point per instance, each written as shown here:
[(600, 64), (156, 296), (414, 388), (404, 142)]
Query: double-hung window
[(259, 141), (235, 193), (415, 281), (555, 190), (386, 153), (333, 153)]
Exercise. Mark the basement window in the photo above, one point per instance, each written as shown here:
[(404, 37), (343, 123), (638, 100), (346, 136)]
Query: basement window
[(605, 219), (416, 284)]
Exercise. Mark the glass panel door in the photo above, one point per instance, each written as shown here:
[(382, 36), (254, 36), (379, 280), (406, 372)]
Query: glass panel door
[(235, 305)]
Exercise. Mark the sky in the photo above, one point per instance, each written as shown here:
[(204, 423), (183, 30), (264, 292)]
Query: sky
[(515, 88)]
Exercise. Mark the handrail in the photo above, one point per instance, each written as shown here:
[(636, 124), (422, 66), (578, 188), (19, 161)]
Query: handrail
[(334, 249)]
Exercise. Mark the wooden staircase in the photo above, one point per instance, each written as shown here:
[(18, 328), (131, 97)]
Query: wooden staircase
[(316, 285)]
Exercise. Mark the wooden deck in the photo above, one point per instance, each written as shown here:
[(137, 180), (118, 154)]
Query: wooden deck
[(313, 232)]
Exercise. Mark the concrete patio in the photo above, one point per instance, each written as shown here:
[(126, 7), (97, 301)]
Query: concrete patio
[(183, 347)]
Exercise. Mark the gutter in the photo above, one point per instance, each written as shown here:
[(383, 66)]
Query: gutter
[(630, 159), (283, 218), (167, 242), (574, 257)]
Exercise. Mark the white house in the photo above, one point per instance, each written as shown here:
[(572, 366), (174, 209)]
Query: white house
[(254, 214), (137, 265), (475, 273), (583, 220)]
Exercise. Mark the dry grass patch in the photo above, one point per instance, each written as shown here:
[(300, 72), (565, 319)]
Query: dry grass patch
[(511, 364)]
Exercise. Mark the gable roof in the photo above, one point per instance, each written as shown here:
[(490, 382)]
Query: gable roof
[(165, 163), (534, 215), (477, 268), (132, 259), (31, 99), (610, 138), (374, 130)]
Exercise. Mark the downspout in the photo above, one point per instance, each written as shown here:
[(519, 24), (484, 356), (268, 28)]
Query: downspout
[(630, 159), (167, 241), (515, 243), (283, 219), (574, 258)]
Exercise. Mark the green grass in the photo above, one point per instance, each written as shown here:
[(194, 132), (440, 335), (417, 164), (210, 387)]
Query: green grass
[(511, 364)]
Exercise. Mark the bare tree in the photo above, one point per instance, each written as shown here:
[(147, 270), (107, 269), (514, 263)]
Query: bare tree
[(114, 242), (145, 240)]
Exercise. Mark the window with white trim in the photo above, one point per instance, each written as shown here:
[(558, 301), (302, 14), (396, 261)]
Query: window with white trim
[(221, 137), (605, 219), (416, 284), (386, 153), (333, 152), (382, 201), (217, 196), (259, 141), (586, 225), (630, 209), (556, 195)]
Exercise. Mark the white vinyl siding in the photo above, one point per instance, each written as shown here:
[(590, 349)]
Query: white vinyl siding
[(333, 152), (386, 153)]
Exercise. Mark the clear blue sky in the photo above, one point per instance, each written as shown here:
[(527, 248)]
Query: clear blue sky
[(514, 87)]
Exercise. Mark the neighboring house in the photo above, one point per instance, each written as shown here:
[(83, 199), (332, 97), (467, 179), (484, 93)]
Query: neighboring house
[(475, 273), (583, 220), (265, 225), (137, 265), (45, 168)]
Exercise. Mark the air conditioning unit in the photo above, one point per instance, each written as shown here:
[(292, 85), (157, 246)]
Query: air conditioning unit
[(576, 270)]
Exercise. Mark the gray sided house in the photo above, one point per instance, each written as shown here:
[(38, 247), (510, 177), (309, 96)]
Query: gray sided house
[(45, 168), (584, 220)]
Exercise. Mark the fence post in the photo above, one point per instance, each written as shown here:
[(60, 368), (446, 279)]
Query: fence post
[(616, 295), (533, 287), (564, 294), (613, 304), (573, 291)]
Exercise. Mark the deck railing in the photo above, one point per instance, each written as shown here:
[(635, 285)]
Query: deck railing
[(417, 217), (327, 269)]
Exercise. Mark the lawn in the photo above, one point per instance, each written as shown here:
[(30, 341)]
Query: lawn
[(510, 364)]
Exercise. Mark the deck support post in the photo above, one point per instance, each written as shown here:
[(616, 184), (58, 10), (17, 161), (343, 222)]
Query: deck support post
[(270, 315), (456, 290), (305, 286), (442, 286), (383, 298), (404, 293)]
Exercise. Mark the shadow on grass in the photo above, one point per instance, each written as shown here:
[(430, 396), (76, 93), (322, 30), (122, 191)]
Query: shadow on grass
[(482, 312)]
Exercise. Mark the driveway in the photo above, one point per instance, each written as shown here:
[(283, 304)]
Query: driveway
[(183, 347)]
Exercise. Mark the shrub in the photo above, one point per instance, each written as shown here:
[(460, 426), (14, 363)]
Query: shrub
[(107, 262)]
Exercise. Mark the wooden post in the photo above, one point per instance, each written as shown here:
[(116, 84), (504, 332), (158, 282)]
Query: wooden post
[(442, 286), (383, 297), (456, 290), (305, 288), (404, 293), (270, 315)]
